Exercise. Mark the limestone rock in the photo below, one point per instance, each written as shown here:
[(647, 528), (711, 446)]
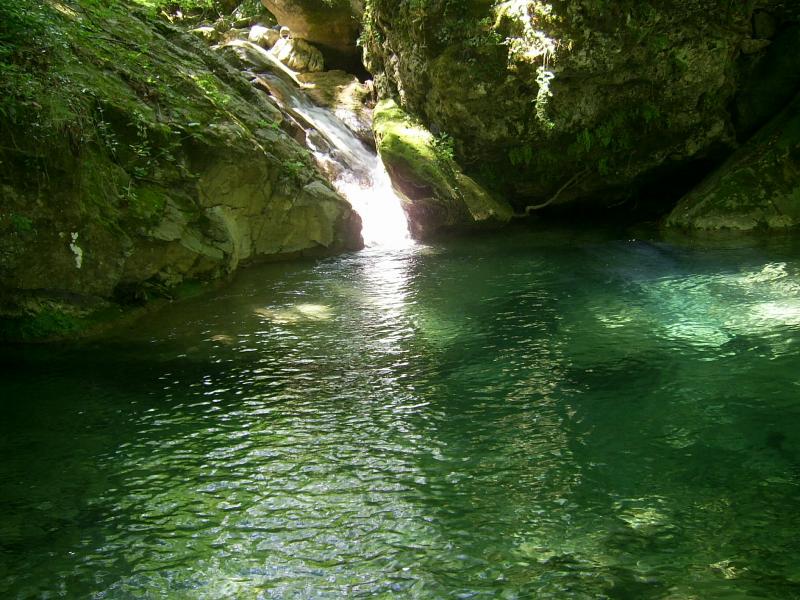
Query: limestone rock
[(263, 36), (346, 96), (248, 55), (767, 82), (757, 188), (532, 91), (751, 46), (298, 55), (438, 196), (208, 34), (331, 26), (151, 198)]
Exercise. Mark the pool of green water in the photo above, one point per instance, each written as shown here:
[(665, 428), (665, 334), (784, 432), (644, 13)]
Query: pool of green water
[(527, 415)]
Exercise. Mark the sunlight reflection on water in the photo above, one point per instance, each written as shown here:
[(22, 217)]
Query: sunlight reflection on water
[(512, 417)]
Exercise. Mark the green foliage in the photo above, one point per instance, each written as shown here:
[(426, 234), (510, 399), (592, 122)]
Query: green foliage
[(295, 169), (28, 31), (29, 40), (210, 86), (274, 125), (584, 140), (21, 224), (467, 32), (250, 8), (204, 8), (521, 155), (443, 147), (145, 203), (143, 159)]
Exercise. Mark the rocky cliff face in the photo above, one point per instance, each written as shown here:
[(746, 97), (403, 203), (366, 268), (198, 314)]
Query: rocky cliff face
[(575, 101), (135, 160)]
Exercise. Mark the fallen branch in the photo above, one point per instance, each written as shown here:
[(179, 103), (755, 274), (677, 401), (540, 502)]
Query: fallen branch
[(576, 178)]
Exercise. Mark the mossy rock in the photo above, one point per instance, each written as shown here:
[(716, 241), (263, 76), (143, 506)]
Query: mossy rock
[(757, 188), (142, 162), (533, 92), (438, 196)]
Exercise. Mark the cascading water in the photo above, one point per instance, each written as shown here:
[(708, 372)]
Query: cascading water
[(357, 171)]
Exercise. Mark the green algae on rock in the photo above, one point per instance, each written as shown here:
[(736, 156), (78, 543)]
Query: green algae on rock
[(439, 197), (141, 160), (533, 92), (757, 188)]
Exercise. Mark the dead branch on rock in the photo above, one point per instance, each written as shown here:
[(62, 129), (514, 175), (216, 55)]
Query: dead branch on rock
[(574, 180)]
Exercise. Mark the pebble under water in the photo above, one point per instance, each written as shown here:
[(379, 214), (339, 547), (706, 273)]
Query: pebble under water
[(526, 415)]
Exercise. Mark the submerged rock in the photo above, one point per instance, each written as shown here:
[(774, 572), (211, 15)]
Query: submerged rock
[(439, 197), (758, 187)]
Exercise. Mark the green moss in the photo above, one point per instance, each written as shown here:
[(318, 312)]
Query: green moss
[(21, 224), (407, 145), (422, 166), (47, 324), (756, 188), (147, 203)]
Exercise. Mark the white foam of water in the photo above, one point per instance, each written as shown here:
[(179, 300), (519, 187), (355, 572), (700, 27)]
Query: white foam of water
[(362, 178), (384, 222)]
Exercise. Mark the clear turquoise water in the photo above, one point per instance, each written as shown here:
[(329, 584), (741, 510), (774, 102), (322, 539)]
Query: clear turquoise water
[(527, 415)]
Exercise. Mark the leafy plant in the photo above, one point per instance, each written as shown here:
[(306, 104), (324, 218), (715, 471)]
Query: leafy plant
[(520, 155), (294, 168), (443, 147)]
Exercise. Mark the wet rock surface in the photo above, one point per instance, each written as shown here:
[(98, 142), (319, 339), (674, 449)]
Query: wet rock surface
[(757, 188)]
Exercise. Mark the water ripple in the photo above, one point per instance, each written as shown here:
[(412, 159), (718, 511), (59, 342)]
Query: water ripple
[(437, 422)]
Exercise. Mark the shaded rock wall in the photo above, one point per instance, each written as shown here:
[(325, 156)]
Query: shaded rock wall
[(757, 188), (582, 100)]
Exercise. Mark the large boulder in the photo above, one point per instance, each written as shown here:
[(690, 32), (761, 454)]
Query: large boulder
[(148, 180), (331, 25), (298, 55), (438, 196), (263, 36), (757, 188), (570, 101)]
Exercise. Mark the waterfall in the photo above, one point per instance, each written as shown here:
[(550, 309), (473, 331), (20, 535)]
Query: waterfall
[(357, 172)]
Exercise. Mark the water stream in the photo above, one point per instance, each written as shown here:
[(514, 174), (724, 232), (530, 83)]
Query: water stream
[(544, 414), (358, 172)]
